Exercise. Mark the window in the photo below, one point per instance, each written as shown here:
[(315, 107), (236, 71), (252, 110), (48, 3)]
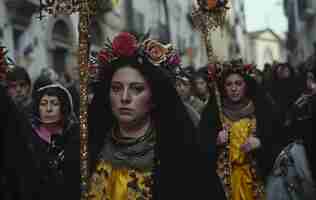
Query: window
[(302, 5), (139, 22), (62, 40), (59, 60), (268, 56), (61, 32), (181, 44), (96, 34), (16, 37)]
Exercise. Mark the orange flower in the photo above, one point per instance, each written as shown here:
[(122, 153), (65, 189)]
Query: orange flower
[(156, 51), (211, 4)]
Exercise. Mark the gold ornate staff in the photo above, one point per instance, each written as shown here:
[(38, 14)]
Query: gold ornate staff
[(86, 9), (208, 15), (83, 63)]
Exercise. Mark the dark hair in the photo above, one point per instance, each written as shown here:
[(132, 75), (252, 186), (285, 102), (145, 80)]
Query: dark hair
[(18, 73), (41, 81), (251, 85), (52, 91), (173, 124), (201, 73)]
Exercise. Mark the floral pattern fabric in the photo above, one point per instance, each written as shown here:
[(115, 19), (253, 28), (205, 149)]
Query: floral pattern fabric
[(118, 183), (236, 168)]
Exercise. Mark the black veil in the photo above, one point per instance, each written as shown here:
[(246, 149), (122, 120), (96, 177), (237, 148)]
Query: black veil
[(176, 144)]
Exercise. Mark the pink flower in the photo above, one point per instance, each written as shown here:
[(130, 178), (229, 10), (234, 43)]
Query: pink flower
[(174, 60)]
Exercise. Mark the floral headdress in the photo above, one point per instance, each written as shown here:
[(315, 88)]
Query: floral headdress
[(217, 70), (126, 45)]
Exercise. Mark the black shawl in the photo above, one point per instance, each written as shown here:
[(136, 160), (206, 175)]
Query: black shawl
[(175, 147)]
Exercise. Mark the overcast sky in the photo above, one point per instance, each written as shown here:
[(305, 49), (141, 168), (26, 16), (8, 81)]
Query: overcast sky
[(261, 14)]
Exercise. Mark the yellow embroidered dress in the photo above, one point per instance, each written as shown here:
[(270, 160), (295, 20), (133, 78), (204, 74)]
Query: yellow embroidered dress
[(237, 168), (124, 171)]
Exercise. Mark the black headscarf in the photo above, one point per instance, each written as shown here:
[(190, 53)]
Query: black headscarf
[(67, 185), (175, 144), (65, 98)]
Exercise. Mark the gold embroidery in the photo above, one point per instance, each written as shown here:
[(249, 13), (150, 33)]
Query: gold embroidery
[(109, 183), (241, 172)]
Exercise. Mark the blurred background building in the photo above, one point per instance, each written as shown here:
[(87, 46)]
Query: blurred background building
[(301, 37), (36, 44), (52, 42), (265, 46)]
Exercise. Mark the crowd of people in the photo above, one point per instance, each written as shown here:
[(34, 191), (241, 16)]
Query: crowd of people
[(159, 130)]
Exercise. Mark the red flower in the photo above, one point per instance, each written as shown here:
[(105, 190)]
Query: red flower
[(104, 56), (248, 67), (125, 44)]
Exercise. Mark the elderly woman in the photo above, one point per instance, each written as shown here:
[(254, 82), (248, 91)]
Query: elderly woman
[(142, 142), (235, 140), (55, 143)]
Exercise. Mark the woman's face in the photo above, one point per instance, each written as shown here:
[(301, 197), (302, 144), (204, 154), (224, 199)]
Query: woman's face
[(130, 96), (201, 86), (235, 88), (183, 88), (50, 109), (283, 72), (311, 82)]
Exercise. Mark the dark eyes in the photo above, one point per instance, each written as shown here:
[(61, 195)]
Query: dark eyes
[(56, 103), (115, 88), (137, 88), (44, 103), (238, 83), (134, 88)]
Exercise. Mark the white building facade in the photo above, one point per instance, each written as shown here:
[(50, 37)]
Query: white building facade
[(266, 46)]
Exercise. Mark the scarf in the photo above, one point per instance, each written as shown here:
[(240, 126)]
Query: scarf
[(137, 153), (238, 111)]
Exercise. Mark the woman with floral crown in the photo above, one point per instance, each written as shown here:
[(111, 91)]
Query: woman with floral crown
[(235, 139), (141, 139)]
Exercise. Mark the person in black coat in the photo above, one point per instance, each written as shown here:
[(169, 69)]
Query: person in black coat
[(301, 118), (55, 140), (19, 179)]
